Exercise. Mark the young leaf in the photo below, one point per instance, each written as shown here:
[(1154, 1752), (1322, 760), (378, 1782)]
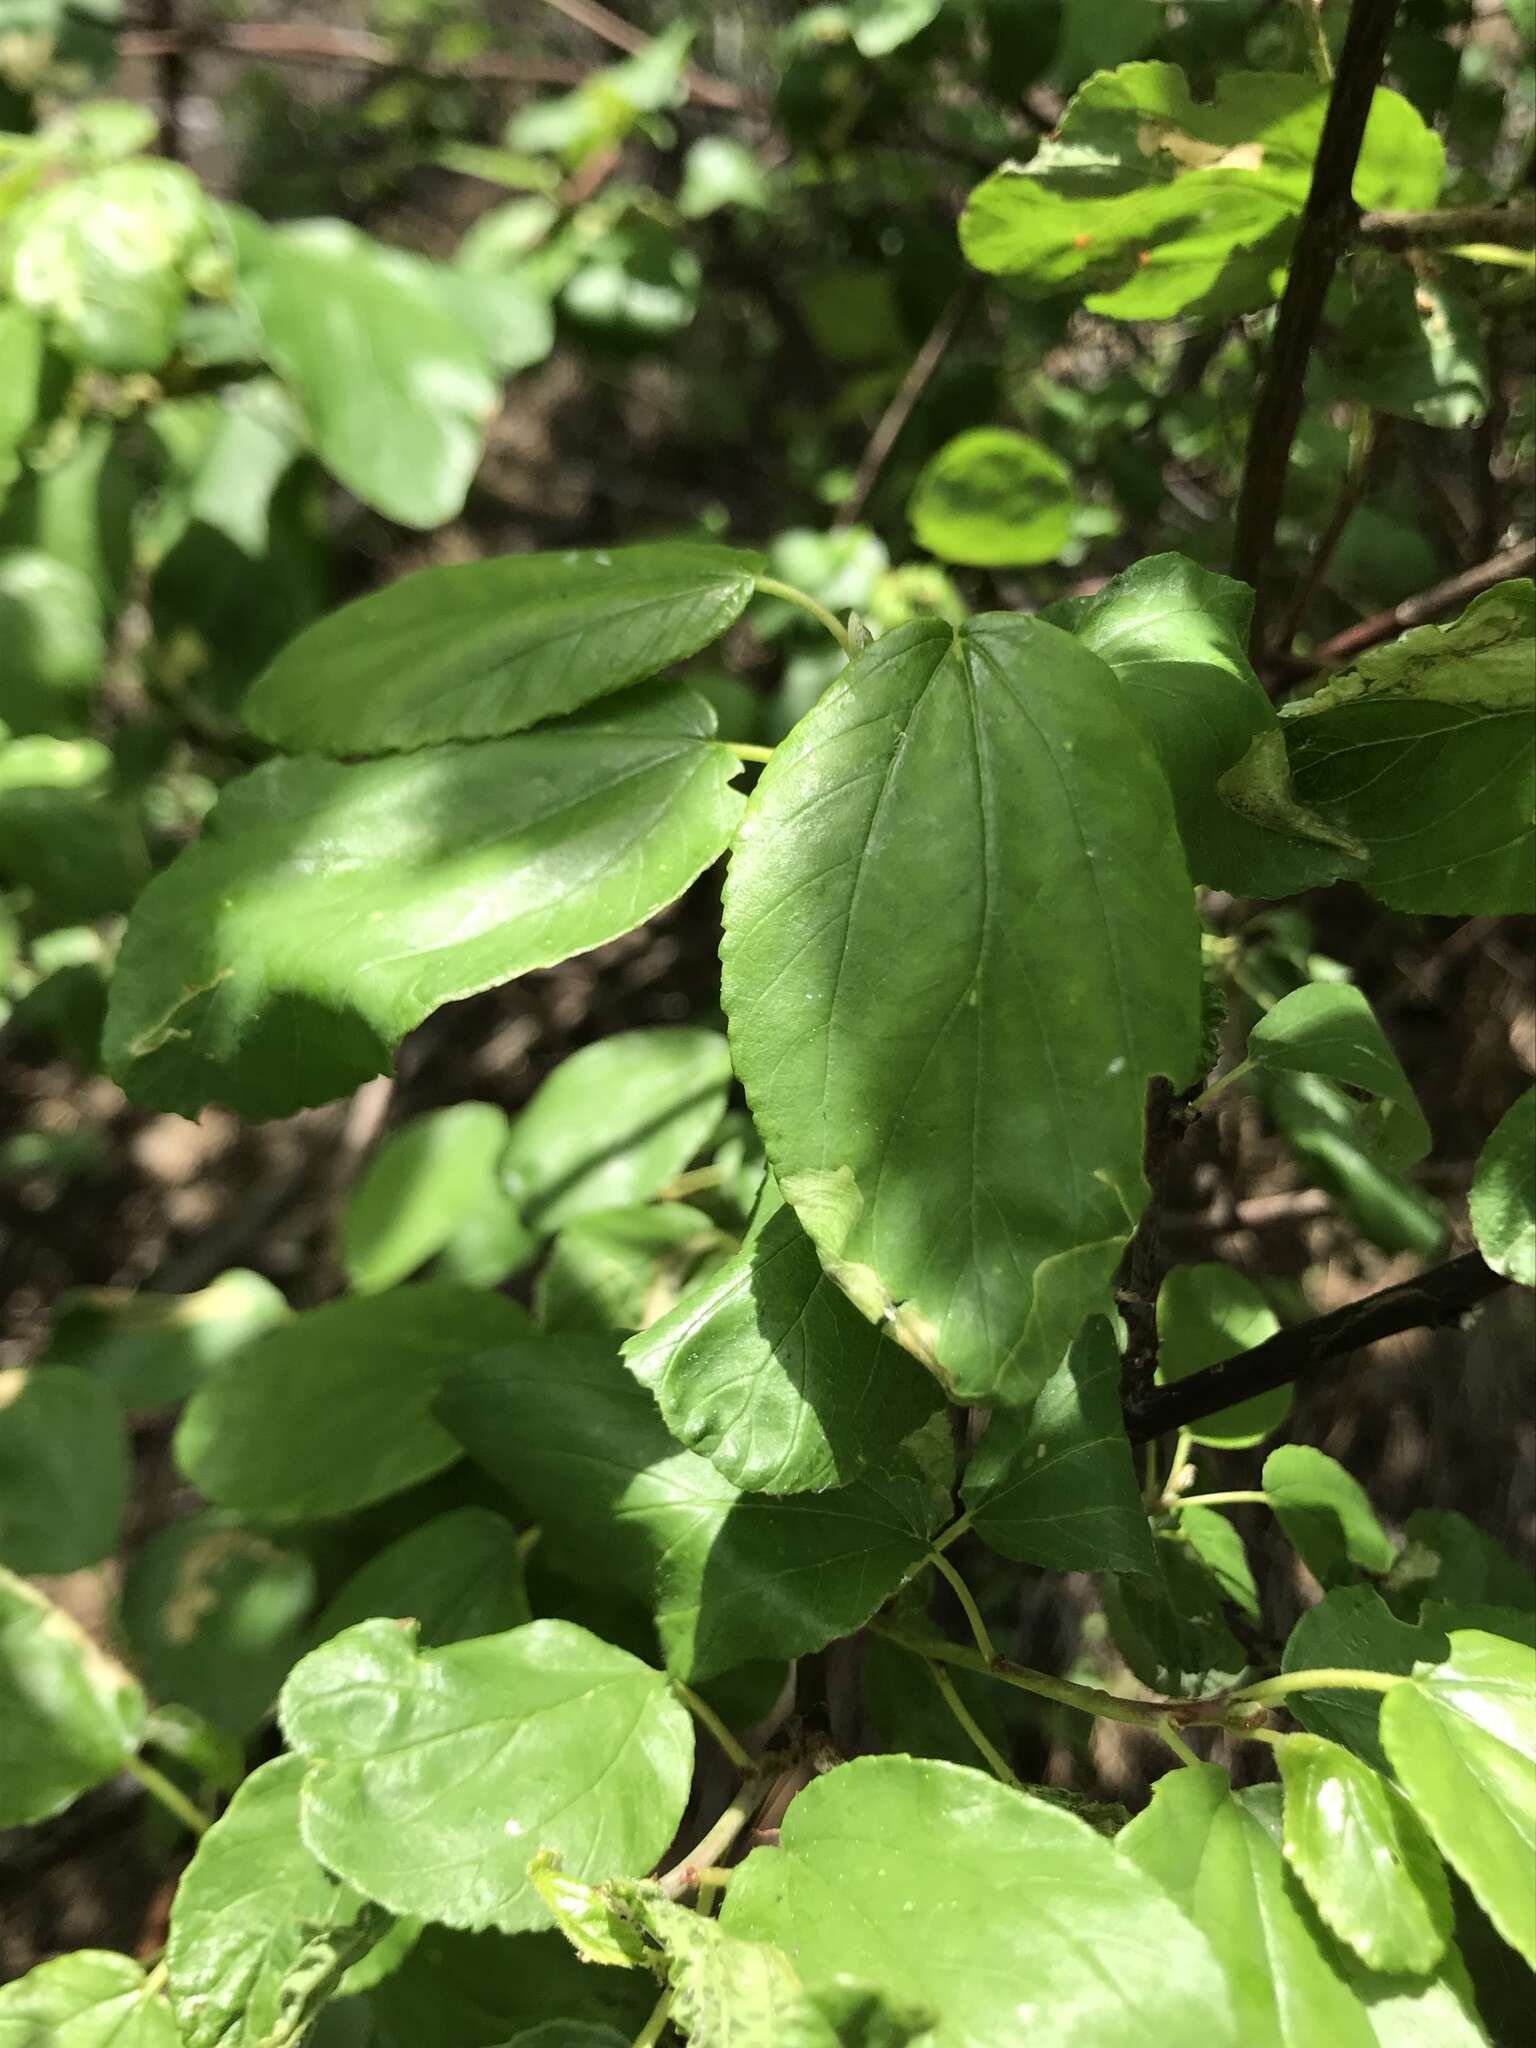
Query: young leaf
[(69, 1716), (1055, 1485), (153, 1349), (434, 1776), (1219, 1863), (93, 1998), (1204, 1315), (1362, 1852), (1352, 1629), (994, 499), (766, 1369), (334, 1409), (902, 968), (478, 650), (1426, 752), (63, 1469), (1220, 1549), (1046, 1931), (621, 1268), (1503, 1198), (419, 1186), (457, 1577), (1461, 1737), (248, 1903), (1328, 1027), (1325, 1512), (1177, 637), (729, 1576), (334, 907), (614, 1122)]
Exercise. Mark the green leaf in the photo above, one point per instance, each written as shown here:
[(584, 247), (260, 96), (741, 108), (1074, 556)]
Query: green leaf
[(1503, 1198), (153, 1349), (473, 864), (63, 1470), (993, 498), (1337, 1141), (1158, 205), (457, 1577), (91, 1999), (1220, 1864), (720, 171), (1046, 1932), (426, 1177), (1177, 636), (475, 1990), (766, 1369), (1055, 1484), (52, 648), (248, 1903), (69, 1716), (1411, 345), (880, 26), (1426, 752), (729, 1576), (1219, 1548), (1169, 1627), (213, 1613), (395, 383), (926, 912), (1206, 1314), (434, 1776), (477, 650), (1461, 1737), (1328, 1028), (615, 1121), (621, 1268), (1326, 1513), (911, 1716), (1362, 1853), (1450, 1559), (81, 852), (333, 1409), (1352, 1628), (21, 350)]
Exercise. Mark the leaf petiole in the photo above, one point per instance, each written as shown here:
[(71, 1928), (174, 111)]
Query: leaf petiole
[(770, 586)]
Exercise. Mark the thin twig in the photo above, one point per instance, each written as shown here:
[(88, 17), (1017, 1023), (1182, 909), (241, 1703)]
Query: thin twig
[(1326, 226), (1446, 227), (609, 27), (1518, 560), (1357, 479), (1432, 1300), (683, 1876), (908, 392), (996, 1762)]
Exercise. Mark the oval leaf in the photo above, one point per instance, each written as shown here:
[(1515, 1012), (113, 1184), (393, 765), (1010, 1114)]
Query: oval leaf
[(993, 499), (456, 1577), (1503, 1198), (1206, 1314), (1328, 1027), (63, 1469), (425, 1179), (69, 1716), (91, 1999), (1326, 1513)]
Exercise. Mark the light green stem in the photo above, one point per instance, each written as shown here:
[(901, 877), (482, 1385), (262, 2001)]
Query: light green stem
[(1269, 1689), (682, 1877), (1240, 1498), (1087, 1699), (704, 1713), (997, 1763), (1317, 40), (1233, 1074), (1176, 1743), (972, 1612), (744, 751), (953, 1533), (170, 1796), (770, 586), (655, 2026)]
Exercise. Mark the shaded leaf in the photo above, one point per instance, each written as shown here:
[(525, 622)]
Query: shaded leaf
[(1206, 1314), (1326, 1513), (1328, 1028), (63, 1469), (621, 1268), (1503, 1198), (153, 1349), (1219, 1548), (457, 1577), (1352, 1629), (69, 1716), (1411, 346), (1169, 1627), (425, 1179)]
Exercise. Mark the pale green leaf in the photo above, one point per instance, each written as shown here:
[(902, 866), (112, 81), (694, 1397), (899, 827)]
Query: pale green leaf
[(477, 650), (335, 906), (69, 1716), (333, 1409), (720, 171), (1412, 346), (93, 1998), (993, 498), (1352, 1628), (21, 350), (426, 1178), (1503, 1198), (1326, 1513), (435, 1776), (1007, 1918), (63, 1469), (1219, 1548), (153, 1349), (52, 648), (457, 1577), (880, 26), (1206, 1314), (926, 913), (1328, 1028), (622, 1268)]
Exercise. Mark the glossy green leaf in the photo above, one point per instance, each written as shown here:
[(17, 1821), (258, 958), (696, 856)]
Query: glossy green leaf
[(1426, 752), (993, 498), (1154, 204), (426, 1177), (1502, 1203), (248, 1903), (93, 1998), (1362, 1853), (1326, 1513), (457, 1577), (477, 650), (434, 1776), (903, 963), (395, 383), (52, 648), (63, 1470), (1036, 1929), (1328, 1028), (621, 1268), (474, 864), (69, 1716), (1220, 1864), (1169, 1626), (153, 1349), (1220, 1549), (1352, 1628), (615, 1121), (1177, 637), (333, 1409), (1206, 1314), (1055, 1484), (766, 1369), (729, 1576), (1461, 1737), (1411, 345), (213, 1613)]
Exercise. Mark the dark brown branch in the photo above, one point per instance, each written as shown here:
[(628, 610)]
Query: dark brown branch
[(1518, 560), (611, 28), (1327, 224), (1512, 227), (1441, 1296)]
